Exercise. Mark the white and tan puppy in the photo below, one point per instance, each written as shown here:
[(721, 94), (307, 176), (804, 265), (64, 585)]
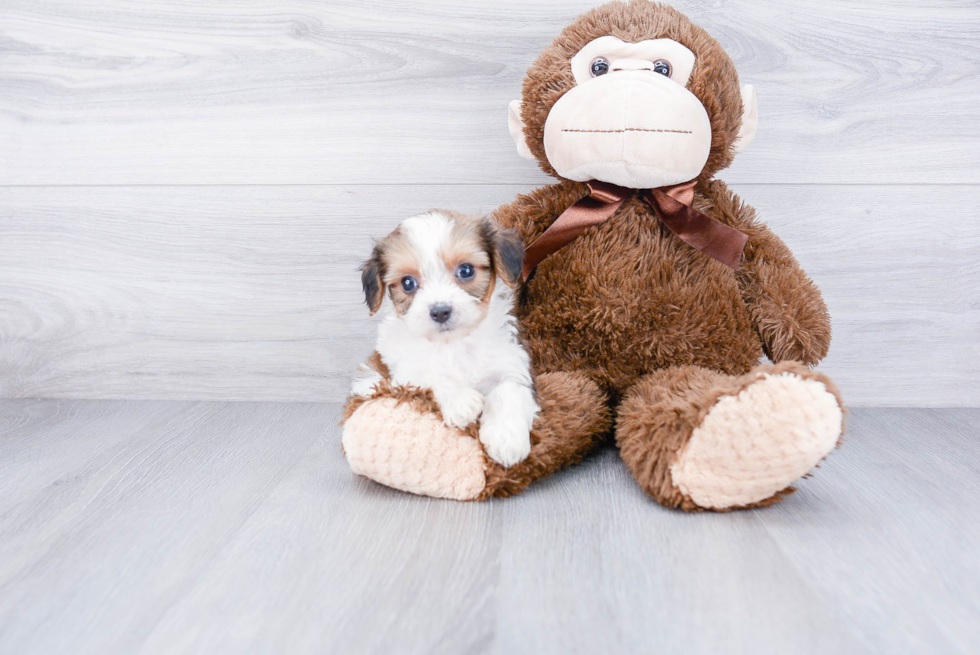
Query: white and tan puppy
[(449, 326)]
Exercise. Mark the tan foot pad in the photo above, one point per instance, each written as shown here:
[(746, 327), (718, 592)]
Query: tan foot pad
[(413, 451), (757, 443)]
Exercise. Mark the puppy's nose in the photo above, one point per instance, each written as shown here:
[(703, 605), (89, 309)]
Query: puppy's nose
[(440, 313)]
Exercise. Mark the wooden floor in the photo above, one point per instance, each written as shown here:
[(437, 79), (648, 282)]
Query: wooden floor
[(167, 527)]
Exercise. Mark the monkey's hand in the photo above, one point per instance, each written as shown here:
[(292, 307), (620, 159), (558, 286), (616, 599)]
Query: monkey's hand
[(785, 306)]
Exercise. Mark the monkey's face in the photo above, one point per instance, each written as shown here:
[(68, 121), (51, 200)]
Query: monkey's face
[(634, 95), (629, 119)]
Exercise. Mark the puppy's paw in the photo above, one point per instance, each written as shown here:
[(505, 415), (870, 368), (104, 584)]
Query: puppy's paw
[(506, 439), (460, 407)]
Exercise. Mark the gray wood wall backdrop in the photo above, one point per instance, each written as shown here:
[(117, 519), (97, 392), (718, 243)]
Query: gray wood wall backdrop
[(186, 188)]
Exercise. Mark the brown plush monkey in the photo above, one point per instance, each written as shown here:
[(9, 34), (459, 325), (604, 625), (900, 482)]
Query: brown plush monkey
[(652, 291)]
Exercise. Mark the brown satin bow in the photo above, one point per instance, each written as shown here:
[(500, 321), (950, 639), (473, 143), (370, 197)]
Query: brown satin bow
[(672, 205)]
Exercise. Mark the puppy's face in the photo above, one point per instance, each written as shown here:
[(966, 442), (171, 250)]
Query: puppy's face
[(440, 270)]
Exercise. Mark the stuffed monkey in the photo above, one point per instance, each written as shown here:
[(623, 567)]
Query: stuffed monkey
[(650, 290)]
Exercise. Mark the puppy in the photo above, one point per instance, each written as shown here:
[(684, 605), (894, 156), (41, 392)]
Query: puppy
[(449, 328)]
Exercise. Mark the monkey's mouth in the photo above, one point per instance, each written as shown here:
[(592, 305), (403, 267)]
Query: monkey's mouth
[(630, 129)]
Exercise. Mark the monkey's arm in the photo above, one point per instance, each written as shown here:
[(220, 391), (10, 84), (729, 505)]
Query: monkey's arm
[(786, 307), (530, 214)]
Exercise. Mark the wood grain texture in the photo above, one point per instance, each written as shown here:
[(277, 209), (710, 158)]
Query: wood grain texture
[(906, 477), (238, 293), (178, 480), (162, 527), (355, 91)]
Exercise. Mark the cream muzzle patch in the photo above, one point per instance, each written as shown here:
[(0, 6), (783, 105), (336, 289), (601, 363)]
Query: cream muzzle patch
[(634, 128)]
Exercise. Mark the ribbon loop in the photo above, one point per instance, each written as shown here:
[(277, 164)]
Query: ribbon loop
[(703, 233)]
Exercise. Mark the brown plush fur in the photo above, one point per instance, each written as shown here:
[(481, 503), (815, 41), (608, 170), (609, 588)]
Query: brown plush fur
[(629, 297), (630, 312), (628, 303)]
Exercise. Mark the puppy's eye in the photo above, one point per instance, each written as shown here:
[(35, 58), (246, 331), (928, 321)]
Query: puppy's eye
[(409, 284), (600, 66), (465, 271), (662, 66)]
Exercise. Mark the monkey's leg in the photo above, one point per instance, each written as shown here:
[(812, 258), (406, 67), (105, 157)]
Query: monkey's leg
[(397, 438), (698, 439)]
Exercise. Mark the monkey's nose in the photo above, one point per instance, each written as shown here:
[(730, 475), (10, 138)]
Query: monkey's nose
[(440, 313)]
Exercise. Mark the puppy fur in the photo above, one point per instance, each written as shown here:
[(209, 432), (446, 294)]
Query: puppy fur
[(472, 359)]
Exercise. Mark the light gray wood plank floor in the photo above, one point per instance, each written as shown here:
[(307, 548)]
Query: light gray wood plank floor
[(169, 527)]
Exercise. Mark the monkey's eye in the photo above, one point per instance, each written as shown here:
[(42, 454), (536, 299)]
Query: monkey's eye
[(465, 271), (409, 284), (600, 66), (662, 66)]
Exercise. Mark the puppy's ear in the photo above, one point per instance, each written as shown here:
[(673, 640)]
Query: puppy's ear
[(372, 280), (508, 253)]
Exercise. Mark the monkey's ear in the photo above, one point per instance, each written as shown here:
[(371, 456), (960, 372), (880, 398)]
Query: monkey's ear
[(750, 119), (508, 255), (372, 274), (516, 126)]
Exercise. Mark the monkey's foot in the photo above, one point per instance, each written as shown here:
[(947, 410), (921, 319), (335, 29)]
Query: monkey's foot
[(397, 437), (399, 446), (753, 445)]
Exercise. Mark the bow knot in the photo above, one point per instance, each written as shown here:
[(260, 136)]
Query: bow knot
[(672, 204)]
